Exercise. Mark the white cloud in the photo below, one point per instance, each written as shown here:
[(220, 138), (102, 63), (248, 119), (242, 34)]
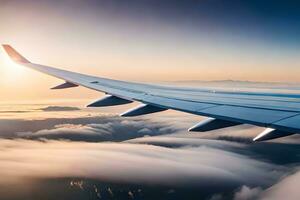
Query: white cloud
[(130, 163), (247, 193), (288, 188), (92, 129)]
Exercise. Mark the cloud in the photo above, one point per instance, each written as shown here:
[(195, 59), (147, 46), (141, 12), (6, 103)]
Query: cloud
[(113, 130), (59, 108), (13, 111), (272, 152), (216, 197), (247, 193), (84, 128), (132, 163), (23, 109), (221, 164), (286, 188)]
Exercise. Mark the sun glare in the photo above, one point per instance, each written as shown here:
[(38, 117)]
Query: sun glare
[(10, 71)]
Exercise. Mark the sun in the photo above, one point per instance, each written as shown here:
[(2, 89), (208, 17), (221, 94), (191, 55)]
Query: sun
[(10, 71)]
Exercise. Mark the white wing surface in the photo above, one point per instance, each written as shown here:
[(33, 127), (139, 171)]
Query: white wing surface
[(279, 113)]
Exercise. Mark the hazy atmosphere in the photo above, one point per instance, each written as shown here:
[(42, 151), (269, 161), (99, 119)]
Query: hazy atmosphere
[(150, 41), (53, 147)]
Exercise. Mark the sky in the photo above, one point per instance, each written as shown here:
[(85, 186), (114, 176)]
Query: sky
[(53, 147), (149, 41)]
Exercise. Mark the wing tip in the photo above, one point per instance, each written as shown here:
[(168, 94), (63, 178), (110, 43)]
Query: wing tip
[(13, 54)]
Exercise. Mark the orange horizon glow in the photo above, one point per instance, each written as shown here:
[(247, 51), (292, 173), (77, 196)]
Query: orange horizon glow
[(120, 48), (18, 83)]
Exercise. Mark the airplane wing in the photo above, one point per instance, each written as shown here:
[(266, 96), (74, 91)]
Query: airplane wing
[(279, 113)]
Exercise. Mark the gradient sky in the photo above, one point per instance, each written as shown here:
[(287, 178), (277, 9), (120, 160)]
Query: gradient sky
[(59, 149), (143, 40)]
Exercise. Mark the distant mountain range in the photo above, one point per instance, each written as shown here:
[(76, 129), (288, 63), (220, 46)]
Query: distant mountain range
[(239, 84)]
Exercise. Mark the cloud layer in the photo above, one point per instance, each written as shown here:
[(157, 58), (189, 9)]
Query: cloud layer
[(85, 128), (133, 163), (153, 153), (59, 108)]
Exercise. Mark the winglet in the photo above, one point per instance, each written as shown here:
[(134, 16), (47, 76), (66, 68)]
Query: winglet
[(14, 55)]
